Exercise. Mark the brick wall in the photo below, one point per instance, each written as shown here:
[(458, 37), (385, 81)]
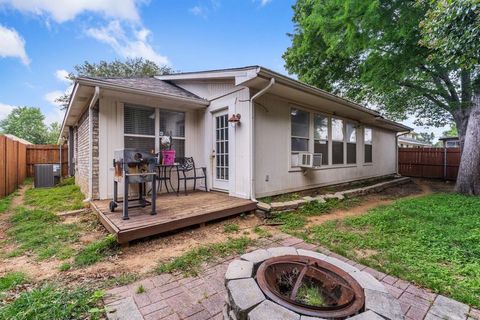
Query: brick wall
[(82, 153)]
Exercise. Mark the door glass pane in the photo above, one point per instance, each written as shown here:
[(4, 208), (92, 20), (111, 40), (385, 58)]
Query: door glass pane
[(300, 123), (221, 147)]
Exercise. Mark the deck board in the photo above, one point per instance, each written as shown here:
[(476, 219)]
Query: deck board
[(173, 213)]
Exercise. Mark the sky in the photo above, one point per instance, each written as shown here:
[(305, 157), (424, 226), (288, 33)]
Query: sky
[(42, 40)]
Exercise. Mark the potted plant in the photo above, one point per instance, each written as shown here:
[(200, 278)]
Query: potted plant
[(168, 154)]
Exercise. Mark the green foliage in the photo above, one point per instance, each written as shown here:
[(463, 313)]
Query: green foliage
[(69, 181), (433, 241), (426, 137), (28, 123), (96, 251), (11, 280), (452, 132), (53, 302), (370, 51), (452, 29), (63, 197), (190, 263), (309, 294), (281, 198), (230, 227), (121, 280), (42, 233)]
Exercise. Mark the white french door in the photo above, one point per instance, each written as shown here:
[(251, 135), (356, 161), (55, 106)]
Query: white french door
[(220, 170)]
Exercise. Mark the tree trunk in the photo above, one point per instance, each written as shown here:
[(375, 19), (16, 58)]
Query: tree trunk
[(468, 179)]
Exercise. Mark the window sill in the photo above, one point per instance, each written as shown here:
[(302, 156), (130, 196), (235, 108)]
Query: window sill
[(368, 164), (335, 166)]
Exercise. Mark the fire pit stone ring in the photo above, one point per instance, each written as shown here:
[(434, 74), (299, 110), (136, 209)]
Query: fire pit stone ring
[(277, 283)]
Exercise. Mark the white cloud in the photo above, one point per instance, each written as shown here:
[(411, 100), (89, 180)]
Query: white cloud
[(62, 75), (54, 115), (62, 11), (52, 96), (198, 11), (132, 44), (12, 45), (5, 109), (263, 2)]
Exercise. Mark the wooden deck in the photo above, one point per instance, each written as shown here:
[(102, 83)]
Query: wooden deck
[(173, 213)]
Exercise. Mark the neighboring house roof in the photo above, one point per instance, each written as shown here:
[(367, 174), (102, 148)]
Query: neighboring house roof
[(412, 141), (146, 84), (15, 138), (448, 138)]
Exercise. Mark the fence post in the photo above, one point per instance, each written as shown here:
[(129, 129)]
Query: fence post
[(444, 163)]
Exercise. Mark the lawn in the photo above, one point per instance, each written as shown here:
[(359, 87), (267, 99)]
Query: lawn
[(433, 241)]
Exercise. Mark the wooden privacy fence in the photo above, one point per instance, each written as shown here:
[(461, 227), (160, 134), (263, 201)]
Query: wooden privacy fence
[(13, 169), (44, 154), (439, 163)]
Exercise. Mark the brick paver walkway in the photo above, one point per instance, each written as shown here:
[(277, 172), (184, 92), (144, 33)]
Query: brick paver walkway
[(169, 296)]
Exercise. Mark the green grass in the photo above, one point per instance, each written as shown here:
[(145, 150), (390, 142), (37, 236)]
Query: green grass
[(231, 228), (63, 197), (190, 263), (433, 241), (53, 302), (140, 289), (11, 280), (310, 295), (121, 280), (42, 233), (281, 198), (5, 203), (96, 251), (262, 233), (65, 266)]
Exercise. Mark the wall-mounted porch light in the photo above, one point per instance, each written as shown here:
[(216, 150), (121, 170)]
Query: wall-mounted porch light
[(235, 119)]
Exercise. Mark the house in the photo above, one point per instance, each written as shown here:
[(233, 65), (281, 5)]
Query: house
[(283, 135), (410, 140), (450, 142)]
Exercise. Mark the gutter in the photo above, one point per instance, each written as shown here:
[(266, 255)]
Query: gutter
[(399, 134), (252, 138), (90, 142)]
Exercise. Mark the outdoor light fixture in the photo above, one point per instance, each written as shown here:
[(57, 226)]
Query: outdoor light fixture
[(235, 118)]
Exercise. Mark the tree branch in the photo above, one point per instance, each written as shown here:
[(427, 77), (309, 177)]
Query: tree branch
[(430, 95)]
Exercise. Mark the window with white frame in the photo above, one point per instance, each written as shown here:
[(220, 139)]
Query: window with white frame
[(300, 133), (351, 131), (140, 123), (367, 133), (338, 139), (172, 123), (320, 137), (139, 127)]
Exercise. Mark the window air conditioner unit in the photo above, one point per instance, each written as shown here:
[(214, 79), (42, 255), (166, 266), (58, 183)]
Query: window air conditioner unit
[(305, 160), (317, 160)]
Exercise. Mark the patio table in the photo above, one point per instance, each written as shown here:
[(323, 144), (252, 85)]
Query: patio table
[(165, 174)]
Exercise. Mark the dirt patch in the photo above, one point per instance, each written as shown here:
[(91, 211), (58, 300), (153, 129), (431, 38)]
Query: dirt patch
[(416, 188), (365, 253)]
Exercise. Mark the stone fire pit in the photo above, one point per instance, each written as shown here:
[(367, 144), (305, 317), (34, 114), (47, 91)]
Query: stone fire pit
[(249, 300)]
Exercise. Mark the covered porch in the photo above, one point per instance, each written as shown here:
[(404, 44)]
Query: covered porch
[(173, 213)]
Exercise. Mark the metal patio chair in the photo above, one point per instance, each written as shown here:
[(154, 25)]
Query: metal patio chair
[(188, 171)]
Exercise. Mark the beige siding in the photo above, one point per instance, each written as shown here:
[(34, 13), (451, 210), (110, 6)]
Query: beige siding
[(272, 154), (207, 90)]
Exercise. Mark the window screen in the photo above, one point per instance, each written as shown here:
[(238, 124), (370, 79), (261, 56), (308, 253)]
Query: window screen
[(320, 134), (147, 144), (337, 152), (337, 141), (300, 123), (337, 129), (139, 120), (351, 143), (368, 145)]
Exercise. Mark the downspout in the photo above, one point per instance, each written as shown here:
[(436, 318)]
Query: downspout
[(252, 138), (396, 146), (90, 142)]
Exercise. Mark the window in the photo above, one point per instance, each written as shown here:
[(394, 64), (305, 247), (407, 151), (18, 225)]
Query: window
[(300, 132), (173, 123), (320, 137), (140, 123), (351, 143), (337, 141), (368, 145), (139, 127)]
